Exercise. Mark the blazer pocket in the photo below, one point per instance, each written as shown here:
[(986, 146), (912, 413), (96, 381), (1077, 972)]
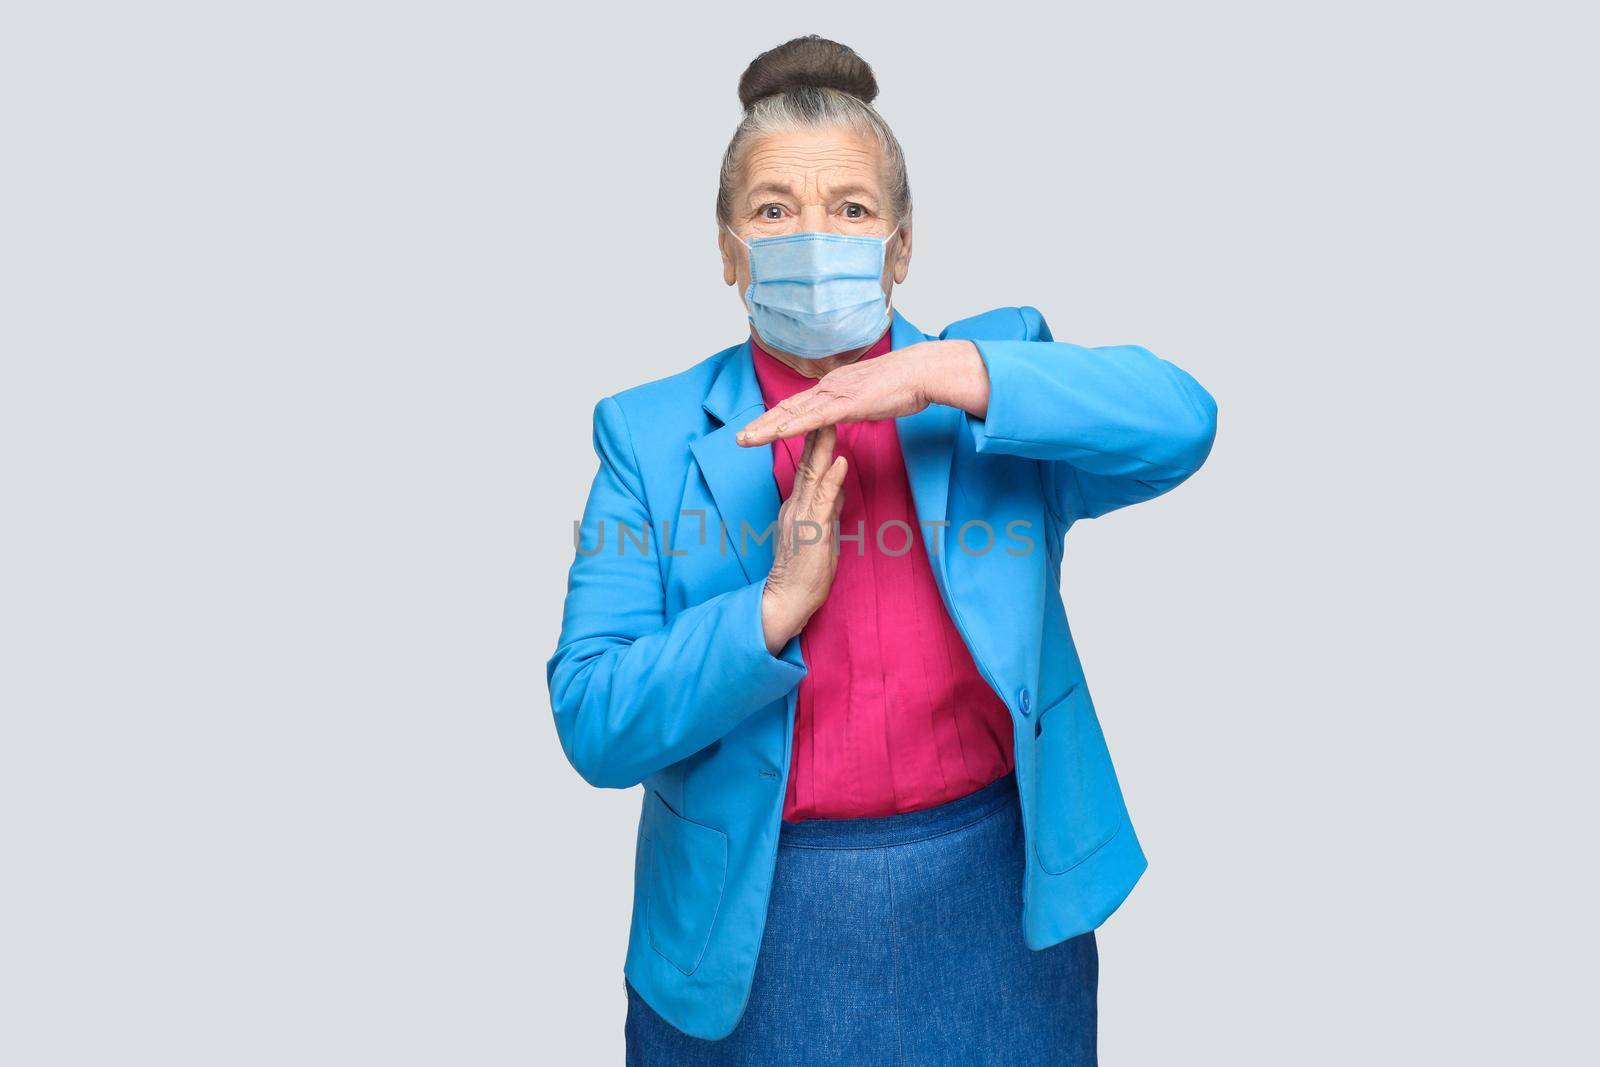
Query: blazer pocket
[(1077, 805), (688, 869)]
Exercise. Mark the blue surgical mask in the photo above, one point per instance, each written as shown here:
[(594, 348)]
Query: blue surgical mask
[(817, 294)]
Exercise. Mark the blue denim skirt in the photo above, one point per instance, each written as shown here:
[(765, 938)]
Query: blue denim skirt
[(898, 941)]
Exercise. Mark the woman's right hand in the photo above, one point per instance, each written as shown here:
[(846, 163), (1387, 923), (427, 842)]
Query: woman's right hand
[(804, 555)]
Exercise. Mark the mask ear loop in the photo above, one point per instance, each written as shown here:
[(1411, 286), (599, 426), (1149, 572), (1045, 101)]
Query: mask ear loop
[(889, 238), (886, 240)]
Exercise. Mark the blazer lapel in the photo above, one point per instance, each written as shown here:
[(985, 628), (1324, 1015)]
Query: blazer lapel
[(927, 444), (739, 479)]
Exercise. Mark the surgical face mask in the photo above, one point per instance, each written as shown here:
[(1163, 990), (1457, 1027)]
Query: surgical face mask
[(817, 294)]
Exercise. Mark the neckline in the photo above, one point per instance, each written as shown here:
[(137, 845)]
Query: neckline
[(779, 381)]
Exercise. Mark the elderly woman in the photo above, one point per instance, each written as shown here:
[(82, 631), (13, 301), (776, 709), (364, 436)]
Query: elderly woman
[(815, 611)]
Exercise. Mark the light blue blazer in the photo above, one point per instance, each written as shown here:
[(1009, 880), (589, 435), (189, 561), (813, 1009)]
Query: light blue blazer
[(662, 677)]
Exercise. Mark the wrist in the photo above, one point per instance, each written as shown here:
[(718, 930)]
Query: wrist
[(779, 620), (959, 377)]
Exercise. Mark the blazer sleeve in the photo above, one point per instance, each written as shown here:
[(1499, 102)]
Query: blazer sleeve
[(1115, 425), (632, 692)]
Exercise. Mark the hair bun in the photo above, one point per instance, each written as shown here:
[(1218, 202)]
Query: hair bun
[(807, 61)]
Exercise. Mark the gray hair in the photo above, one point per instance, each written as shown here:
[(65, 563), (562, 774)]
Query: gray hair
[(813, 107)]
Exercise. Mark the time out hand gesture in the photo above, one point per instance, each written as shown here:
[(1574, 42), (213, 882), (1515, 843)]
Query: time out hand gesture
[(896, 383), (803, 556)]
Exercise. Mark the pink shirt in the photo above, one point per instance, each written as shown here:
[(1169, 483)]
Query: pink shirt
[(892, 714)]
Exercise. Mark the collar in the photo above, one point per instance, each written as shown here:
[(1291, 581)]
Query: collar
[(735, 390)]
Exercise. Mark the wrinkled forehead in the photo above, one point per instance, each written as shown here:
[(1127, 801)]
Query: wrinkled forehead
[(815, 165)]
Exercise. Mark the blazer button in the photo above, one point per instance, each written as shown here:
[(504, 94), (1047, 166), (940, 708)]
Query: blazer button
[(1024, 701)]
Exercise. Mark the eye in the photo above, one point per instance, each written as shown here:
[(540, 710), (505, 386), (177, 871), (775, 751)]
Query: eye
[(772, 211), (854, 211)]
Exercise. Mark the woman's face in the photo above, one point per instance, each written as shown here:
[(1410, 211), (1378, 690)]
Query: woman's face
[(816, 180)]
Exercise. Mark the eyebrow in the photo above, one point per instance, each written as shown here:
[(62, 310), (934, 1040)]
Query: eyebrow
[(770, 187), (847, 189), (852, 189)]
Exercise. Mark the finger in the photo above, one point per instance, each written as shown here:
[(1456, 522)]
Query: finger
[(758, 431), (829, 482), (823, 439), (816, 464), (834, 481), (789, 419), (803, 473), (829, 496)]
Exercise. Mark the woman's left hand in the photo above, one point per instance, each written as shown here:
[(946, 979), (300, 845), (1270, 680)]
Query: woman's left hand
[(896, 383)]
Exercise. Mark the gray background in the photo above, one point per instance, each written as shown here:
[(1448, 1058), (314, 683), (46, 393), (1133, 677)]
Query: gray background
[(305, 311)]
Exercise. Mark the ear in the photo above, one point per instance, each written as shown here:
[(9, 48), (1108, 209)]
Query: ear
[(902, 257), (730, 265)]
